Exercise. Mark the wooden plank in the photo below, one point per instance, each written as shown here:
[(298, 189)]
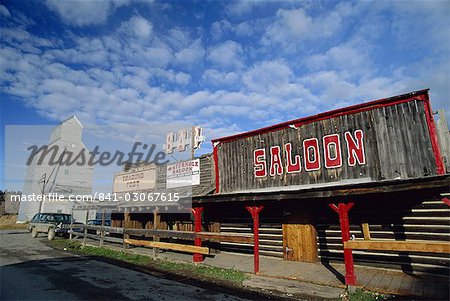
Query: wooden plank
[(156, 222), (228, 237), (162, 233), (126, 225), (396, 283), (376, 279), (405, 288), (85, 229), (168, 246), (225, 237), (365, 230), (417, 288), (386, 280), (106, 228), (102, 231), (412, 246), (85, 235), (364, 277)]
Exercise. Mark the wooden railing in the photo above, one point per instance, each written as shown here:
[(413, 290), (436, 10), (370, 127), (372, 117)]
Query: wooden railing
[(182, 235)]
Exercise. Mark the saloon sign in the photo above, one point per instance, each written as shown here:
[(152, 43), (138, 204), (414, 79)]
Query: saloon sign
[(280, 158), (387, 139)]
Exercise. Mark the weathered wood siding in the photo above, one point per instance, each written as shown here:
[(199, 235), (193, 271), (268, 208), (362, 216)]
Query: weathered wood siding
[(397, 144), (409, 218)]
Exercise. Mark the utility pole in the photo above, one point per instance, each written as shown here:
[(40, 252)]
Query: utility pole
[(44, 182), (193, 143)]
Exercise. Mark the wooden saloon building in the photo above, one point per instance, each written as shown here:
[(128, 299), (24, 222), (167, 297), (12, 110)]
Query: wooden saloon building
[(366, 184)]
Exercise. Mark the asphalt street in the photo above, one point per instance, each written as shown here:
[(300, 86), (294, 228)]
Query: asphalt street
[(31, 270)]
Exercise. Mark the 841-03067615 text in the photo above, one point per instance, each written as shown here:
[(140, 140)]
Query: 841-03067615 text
[(140, 197), (109, 197)]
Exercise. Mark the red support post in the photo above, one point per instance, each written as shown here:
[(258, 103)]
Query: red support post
[(197, 212), (254, 211), (446, 201), (342, 209)]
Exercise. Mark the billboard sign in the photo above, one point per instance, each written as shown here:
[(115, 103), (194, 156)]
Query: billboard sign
[(183, 174), (191, 138), (140, 179)]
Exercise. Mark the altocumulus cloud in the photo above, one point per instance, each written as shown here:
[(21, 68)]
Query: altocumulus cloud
[(228, 67)]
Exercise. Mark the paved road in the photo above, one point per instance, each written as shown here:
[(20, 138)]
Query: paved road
[(30, 270)]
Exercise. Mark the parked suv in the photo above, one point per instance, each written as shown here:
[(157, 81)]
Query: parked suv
[(51, 224)]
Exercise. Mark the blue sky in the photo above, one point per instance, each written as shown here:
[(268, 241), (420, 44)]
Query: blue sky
[(228, 66)]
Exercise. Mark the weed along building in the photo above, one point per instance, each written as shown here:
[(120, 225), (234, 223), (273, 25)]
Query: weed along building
[(365, 185)]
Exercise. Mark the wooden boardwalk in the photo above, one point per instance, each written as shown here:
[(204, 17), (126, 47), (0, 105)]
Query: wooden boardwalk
[(424, 286)]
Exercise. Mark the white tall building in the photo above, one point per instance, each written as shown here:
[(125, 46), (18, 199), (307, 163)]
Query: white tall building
[(64, 179)]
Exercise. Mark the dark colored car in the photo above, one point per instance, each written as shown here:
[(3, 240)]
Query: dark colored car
[(51, 224), (97, 222)]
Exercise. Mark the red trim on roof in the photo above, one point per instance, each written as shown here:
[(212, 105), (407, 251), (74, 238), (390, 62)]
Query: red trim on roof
[(418, 95), (216, 167), (440, 167)]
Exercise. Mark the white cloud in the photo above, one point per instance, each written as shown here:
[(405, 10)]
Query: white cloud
[(241, 7), (352, 58), (139, 27), (293, 26), (4, 11), (82, 13), (245, 29), (159, 57), (219, 28), (227, 55), (190, 55), (267, 75), (217, 78)]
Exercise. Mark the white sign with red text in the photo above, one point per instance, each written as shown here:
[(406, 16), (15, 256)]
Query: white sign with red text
[(183, 174)]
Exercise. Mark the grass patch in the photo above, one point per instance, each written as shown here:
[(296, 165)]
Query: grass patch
[(202, 271), (76, 247), (186, 269), (364, 295)]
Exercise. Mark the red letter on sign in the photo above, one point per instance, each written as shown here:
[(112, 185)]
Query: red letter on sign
[(275, 161), (259, 160), (355, 148), (292, 165), (332, 151), (311, 154)]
